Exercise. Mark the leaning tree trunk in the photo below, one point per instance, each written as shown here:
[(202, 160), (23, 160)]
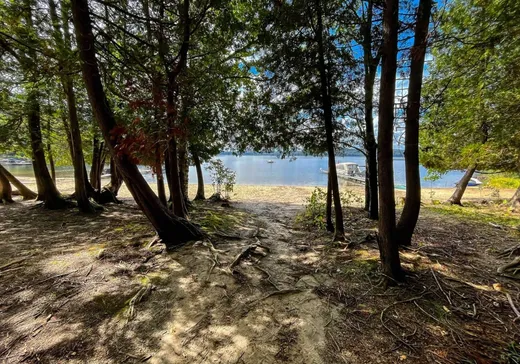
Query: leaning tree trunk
[(52, 165), (456, 198), (327, 111), (96, 169), (515, 200), (388, 245), (171, 229), (26, 193), (412, 205), (5, 189), (200, 178)]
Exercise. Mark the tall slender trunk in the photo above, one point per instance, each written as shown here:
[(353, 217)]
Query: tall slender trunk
[(63, 44), (5, 189), (412, 205), (115, 179), (388, 246), (52, 165), (168, 174), (328, 206), (47, 191), (171, 229), (456, 198), (26, 193), (160, 178), (367, 188), (179, 207), (200, 178), (327, 111), (96, 169), (184, 167)]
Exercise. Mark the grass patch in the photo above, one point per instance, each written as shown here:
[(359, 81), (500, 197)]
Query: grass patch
[(500, 215), (219, 221)]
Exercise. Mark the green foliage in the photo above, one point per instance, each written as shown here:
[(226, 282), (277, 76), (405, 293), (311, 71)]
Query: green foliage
[(473, 89), (503, 181), (223, 179), (490, 213), (314, 215)]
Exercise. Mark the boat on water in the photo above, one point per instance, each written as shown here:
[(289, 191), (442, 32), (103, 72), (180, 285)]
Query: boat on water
[(270, 161), (473, 182), (292, 159), (349, 171)]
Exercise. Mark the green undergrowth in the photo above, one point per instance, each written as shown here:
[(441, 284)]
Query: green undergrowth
[(503, 180), (500, 215), (219, 220)]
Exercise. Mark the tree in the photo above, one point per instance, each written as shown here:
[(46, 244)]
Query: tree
[(412, 206), (388, 244), (472, 91), (171, 229)]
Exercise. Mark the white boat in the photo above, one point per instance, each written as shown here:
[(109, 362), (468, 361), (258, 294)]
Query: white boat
[(292, 159), (270, 161), (474, 182), (349, 171)]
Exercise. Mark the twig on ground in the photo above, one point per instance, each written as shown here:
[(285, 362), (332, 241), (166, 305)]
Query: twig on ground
[(13, 263), (440, 287), (143, 291), (268, 276)]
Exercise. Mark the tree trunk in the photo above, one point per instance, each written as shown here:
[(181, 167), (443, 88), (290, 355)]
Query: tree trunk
[(115, 179), (370, 67), (200, 178), (63, 45), (47, 191), (179, 207), (515, 200), (367, 188), (412, 205), (388, 246), (26, 193), (96, 169), (160, 178), (456, 198), (168, 174), (51, 163), (328, 206), (171, 229), (5, 189), (327, 111), (184, 167)]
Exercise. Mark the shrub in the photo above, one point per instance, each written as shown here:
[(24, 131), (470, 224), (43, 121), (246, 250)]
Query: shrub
[(222, 178)]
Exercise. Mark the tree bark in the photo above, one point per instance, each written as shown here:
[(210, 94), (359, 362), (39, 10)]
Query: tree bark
[(168, 174), (200, 178), (515, 200), (412, 205), (160, 178), (456, 198), (26, 193), (52, 165), (388, 246), (62, 41), (370, 66), (328, 206), (327, 111), (115, 179), (179, 208), (184, 167), (171, 229), (5, 189), (96, 169), (47, 191)]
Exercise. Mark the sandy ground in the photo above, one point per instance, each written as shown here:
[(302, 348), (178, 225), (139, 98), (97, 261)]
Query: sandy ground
[(298, 194), (91, 289)]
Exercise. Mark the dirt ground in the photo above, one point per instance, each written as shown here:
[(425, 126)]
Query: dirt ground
[(91, 289)]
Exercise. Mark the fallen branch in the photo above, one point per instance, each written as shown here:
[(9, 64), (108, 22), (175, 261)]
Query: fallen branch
[(280, 293), (440, 287)]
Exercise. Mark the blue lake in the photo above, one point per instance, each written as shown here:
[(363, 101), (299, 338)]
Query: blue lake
[(254, 170)]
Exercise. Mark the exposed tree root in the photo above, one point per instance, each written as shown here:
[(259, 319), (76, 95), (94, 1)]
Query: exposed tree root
[(245, 253), (511, 267), (138, 297)]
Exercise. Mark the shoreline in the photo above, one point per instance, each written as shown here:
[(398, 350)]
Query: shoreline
[(292, 194)]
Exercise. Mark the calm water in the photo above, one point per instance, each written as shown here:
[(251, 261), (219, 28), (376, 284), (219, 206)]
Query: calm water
[(254, 170)]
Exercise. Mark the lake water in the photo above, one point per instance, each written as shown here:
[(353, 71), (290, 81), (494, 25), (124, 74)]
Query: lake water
[(254, 170)]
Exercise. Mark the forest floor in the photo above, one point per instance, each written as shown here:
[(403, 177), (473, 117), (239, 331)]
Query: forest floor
[(76, 288)]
